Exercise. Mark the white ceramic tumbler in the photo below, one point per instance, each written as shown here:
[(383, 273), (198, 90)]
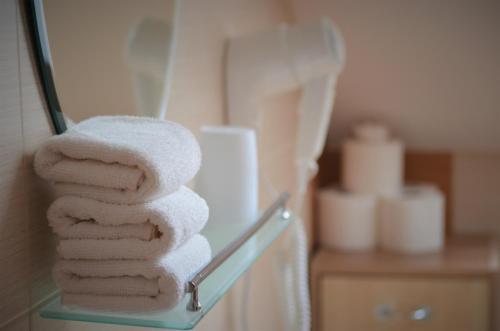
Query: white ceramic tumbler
[(228, 181)]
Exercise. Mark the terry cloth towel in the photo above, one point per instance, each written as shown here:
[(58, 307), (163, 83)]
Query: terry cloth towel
[(91, 229), (120, 159), (132, 285)]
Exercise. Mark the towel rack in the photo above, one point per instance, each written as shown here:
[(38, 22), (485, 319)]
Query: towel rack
[(224, 254)]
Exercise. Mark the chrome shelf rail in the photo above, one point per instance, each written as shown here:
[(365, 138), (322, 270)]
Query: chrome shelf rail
[(278, 205)]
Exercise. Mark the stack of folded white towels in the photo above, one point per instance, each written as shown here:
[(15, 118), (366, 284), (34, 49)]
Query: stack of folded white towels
[(128, 226)]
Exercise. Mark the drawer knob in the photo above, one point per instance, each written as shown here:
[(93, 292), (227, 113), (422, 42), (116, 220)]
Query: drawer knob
[(421, 313), (384, 312)]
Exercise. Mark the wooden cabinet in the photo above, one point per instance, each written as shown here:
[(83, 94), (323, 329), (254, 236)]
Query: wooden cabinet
[(384, 292), (362, 303)]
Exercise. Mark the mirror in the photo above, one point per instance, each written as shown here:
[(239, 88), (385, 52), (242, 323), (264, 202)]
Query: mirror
[(104, 57)]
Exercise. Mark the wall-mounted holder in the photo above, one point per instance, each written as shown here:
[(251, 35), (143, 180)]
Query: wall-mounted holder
[(206, 287)]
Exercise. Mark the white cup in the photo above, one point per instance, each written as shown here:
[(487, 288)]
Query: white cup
[(228, 181)]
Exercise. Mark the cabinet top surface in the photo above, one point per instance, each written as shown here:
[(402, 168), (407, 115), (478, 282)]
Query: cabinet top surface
[(462, 256)]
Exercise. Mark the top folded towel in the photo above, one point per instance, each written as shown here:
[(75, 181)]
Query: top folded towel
[(120, 159), (91, 229)]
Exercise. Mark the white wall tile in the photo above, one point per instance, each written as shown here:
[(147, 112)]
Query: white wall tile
[(14, 236)]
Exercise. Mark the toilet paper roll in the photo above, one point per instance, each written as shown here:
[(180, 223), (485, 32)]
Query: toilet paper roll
[(413, 222), (372, 167), (371, 132), (347, 220)]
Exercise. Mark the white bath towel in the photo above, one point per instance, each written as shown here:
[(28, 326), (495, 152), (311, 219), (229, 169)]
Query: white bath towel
[(121, 159), (91, 229), (132, 285)]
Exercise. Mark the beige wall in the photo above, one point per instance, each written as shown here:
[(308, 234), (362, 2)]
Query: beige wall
[(428, 68), (26, 244)]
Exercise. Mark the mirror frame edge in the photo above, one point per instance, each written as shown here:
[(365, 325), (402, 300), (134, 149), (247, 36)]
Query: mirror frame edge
[(43, 60)]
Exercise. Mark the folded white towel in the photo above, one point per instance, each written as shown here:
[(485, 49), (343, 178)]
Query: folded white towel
[(92, 229), (121, 159), (132, 285)]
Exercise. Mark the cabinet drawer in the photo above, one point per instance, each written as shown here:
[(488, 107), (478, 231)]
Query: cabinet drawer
[(354, 303)]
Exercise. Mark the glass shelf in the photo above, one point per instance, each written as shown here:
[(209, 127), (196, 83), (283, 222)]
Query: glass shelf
[(211, 289)]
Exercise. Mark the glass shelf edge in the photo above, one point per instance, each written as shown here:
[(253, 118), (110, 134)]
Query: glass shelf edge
[(211, 290)]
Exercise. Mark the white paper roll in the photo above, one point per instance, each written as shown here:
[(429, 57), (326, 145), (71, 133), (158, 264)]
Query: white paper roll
[(371, 132), (372, 167), (347, 220), (413, 222)]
